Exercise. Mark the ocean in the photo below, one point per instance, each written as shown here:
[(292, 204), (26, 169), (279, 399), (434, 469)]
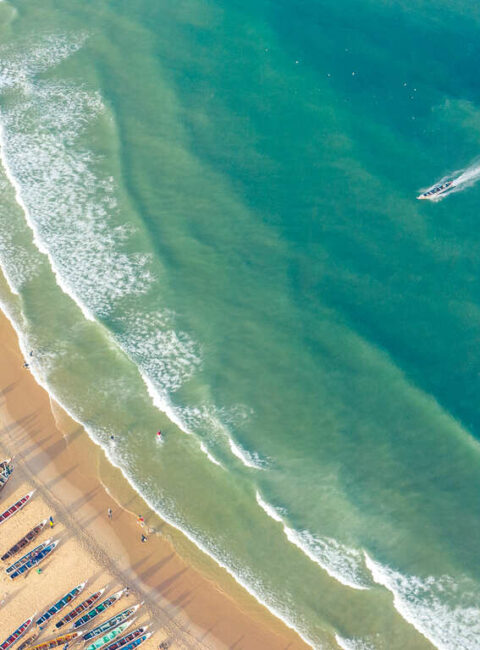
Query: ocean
[(209, 227)]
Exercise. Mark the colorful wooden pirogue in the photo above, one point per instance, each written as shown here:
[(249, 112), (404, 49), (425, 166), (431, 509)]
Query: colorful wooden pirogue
[(9, 512), (6, 470), (106, 638), (111, 622), (28, 641), (19, 632), (101, 607), (84, 605), (27, 556), (54, 643), (35, 560), (127, 641), (25, 541), (60, 604)]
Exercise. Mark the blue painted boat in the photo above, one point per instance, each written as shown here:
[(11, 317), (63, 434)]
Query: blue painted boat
[(111, 622), (60, 604), (131, 640), (16, 565), (101, 607), (34, 561)]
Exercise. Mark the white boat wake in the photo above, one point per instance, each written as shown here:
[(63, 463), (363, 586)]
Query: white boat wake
[(461, 180)]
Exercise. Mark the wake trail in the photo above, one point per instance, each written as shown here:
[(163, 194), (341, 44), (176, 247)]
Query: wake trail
[(462, 180)]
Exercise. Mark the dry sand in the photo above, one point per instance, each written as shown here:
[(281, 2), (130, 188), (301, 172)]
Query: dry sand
[(53, 455)]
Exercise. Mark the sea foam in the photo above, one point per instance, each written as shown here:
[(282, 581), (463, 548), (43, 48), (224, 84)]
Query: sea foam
[(342, 563), (353, 644), (444, 611)]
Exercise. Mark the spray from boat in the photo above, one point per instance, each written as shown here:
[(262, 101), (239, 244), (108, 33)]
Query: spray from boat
[(455, 182)]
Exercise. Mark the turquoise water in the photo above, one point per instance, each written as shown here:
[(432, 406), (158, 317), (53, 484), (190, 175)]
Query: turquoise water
[(209, 226)]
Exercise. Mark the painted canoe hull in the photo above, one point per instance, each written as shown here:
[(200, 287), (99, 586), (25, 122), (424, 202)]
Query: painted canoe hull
[(60, 604), (25, 541)]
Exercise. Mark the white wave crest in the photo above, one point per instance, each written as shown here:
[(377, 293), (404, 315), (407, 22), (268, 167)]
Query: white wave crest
[(446, 613), (270, 510), (248, 458), (210, 457), (340, 562), (353, 644)]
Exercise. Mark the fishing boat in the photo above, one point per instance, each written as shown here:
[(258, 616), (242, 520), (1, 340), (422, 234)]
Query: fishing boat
[(9, 512), (19, 632), (60, 604), (138, 641), (112, 622), (101, 607), (25, 541), (29, 641), (54, 643), (435, 191), (27, 556), (35, 560), (106, 638), (6, 470), (125, 643), (86, 604)]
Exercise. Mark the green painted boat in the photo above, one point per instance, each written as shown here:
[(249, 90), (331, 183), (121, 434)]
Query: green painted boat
[(106, 638)]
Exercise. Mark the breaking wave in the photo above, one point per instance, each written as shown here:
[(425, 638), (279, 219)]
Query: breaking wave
[(342, 563), (353, 644), (446, 613)]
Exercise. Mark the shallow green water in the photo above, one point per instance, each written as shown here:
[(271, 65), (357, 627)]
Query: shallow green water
[(215, 234)]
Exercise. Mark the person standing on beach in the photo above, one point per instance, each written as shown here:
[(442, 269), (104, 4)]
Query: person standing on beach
[(51, 521), (109, 513)]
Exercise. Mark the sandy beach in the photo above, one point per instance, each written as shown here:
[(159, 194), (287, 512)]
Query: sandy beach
[(54, 456)]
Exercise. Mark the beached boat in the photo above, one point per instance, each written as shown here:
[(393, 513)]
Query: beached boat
[(110, 636), (125, 643), (59, 640), (19, 632), (34, 561), (27, 556), (9, 512), (25, 541), (98, 609), (6, 470), (4, 476), (29, 641), (86, 604), (111, 622), (60, 604)]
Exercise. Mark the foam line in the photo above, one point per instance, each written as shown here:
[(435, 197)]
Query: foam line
[(340, 562), (443, 611)]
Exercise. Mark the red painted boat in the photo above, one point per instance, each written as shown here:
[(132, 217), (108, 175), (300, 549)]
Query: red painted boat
[(19, 632), (25, 541), (9, 512)]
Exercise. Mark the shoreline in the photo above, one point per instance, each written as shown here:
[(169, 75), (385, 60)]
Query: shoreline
[(54, 455)]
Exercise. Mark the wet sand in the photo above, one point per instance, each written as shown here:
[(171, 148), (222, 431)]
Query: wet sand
[(53, 455)]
